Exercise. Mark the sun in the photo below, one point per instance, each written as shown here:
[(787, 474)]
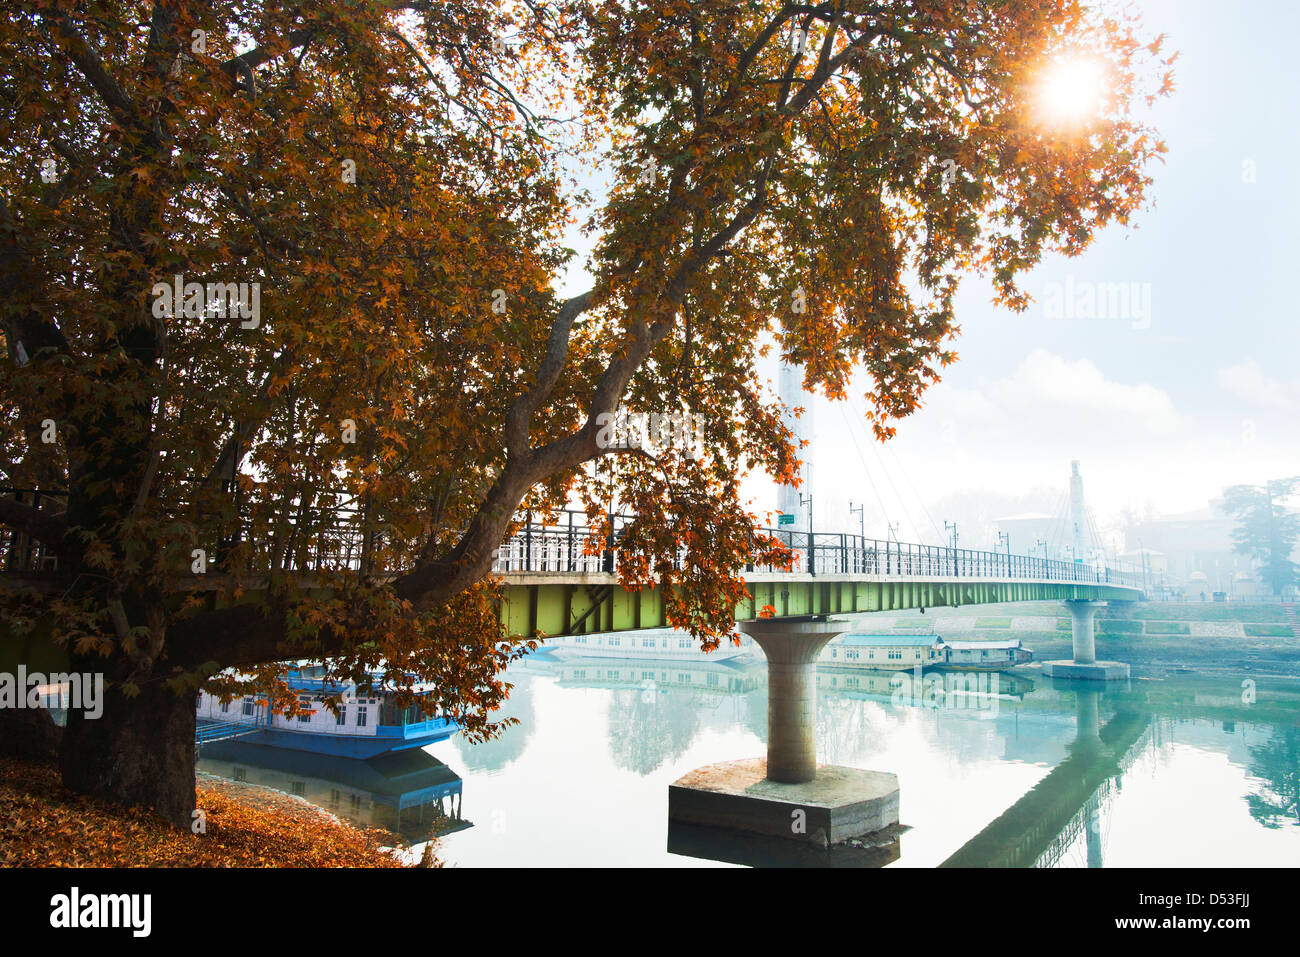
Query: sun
[(1071, 90)]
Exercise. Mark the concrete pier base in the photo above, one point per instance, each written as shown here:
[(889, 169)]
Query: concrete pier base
[(1087, 671), (838, 804)]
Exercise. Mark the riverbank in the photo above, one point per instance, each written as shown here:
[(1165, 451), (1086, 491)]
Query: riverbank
[(1155, 638), (43, 824)]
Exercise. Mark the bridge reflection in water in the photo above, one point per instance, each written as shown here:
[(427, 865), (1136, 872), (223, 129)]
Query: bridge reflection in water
[(655, 715), (1043, 825), (1065, 809)]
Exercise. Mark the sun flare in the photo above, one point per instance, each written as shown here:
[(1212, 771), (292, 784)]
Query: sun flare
[(1071, 90)]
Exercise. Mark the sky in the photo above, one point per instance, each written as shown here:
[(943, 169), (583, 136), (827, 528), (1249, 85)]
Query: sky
[(1195, 386)]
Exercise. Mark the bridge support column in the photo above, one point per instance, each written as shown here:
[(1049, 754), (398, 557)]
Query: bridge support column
[(1085, 664), (791, 649), (787, 795)]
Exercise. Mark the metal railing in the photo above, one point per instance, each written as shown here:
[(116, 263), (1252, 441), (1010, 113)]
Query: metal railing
[(332, 533), (562, 548)]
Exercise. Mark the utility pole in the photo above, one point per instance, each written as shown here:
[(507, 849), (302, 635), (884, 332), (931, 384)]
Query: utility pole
[(952, 527), (893, 530), (862, 526), (812, 553), (1143, 552)]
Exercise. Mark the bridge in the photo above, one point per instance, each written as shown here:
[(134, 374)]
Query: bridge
[(561, 578)]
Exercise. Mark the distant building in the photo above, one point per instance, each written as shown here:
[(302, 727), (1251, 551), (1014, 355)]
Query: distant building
[(1196, 552), (1026, 530)]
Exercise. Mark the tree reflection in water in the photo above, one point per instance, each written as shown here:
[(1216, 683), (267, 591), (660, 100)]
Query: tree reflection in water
[(1277, 764)]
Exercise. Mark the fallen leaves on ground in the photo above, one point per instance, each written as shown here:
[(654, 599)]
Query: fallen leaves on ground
[(43, 824)]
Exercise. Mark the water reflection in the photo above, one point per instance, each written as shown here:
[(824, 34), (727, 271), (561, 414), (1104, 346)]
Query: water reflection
[(1030, 772), (1069, 802), (657, 708), (757, 850), (1276, 764), (409, 794)]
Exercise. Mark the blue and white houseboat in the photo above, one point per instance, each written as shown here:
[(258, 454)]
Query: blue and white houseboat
[(367, 724)]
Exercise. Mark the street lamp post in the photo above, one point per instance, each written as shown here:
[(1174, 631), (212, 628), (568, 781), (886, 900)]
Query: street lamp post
[(812, 553), (862, 531)]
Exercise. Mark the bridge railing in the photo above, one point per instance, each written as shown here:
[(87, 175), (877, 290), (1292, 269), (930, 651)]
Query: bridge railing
[(331, 532), (571, 546)]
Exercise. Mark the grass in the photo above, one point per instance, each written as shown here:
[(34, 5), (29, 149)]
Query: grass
[(1210, 611), (1268, 631), (43, 824), (1119, 626), (993, 623), (1168, 628)]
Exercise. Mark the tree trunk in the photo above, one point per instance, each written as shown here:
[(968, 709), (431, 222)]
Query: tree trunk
[(30, 733), (140, 751)]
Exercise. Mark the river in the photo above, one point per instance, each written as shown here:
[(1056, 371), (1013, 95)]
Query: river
[(1016, 771)]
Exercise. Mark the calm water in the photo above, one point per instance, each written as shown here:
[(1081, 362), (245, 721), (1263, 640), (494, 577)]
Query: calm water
[(1177, 772)]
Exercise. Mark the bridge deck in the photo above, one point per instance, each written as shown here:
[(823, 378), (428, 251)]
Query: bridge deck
[(583, 603)]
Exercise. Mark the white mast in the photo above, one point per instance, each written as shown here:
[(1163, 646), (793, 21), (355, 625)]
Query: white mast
[(790, 388), (1078, 516)]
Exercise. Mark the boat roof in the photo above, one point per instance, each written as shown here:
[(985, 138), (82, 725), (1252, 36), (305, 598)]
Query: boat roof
[(982, 645), (891, 641)]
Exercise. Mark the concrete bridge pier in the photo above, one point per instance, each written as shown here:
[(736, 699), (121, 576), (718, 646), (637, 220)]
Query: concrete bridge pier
[(788, 795), (1085, 664)]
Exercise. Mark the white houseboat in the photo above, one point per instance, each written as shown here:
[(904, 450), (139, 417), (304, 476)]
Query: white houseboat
[(646, 644), (994, 655), (905, 652), (368, 723), (884, 652)]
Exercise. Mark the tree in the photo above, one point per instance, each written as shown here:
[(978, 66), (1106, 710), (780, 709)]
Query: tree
[(393, 177), (1265, 530)]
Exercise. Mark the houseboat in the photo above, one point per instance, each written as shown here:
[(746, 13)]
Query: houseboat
[(368, 723), (996, 655), (883, 652), (657, 644), (905, 652)]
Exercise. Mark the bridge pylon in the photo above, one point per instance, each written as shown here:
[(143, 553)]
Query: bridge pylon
[(788, 794), (1085, 665)]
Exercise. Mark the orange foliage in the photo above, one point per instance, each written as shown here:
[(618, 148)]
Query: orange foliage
[(42, 824)]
